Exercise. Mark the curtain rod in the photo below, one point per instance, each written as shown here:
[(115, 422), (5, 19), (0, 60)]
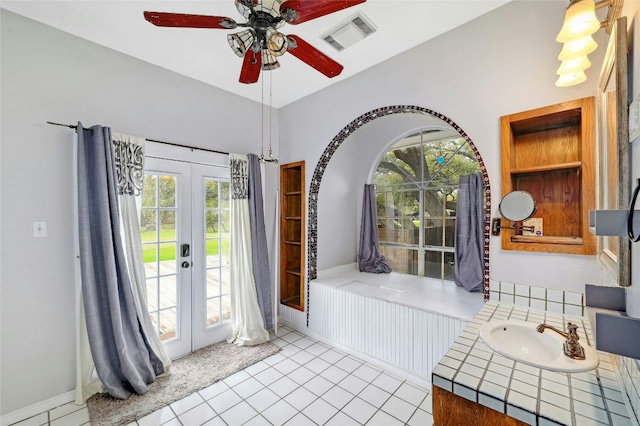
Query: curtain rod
[(74, 127)]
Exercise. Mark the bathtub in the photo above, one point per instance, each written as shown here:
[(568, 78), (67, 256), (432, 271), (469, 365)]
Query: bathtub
[(402, 323)]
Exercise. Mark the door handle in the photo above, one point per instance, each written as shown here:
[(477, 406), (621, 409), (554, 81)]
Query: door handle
[(185, 250)]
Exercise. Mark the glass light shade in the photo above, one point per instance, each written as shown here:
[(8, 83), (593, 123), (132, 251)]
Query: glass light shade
[(269, 62), (244, 10), (579, 21), (566, 80), (573, 66), (277, 43), (577, 48), (271, 7), (241, 42)]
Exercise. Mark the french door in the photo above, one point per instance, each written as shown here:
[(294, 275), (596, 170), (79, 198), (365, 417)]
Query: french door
[(185, 236)]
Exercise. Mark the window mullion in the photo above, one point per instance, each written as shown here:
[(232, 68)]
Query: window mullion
[(421, 267)]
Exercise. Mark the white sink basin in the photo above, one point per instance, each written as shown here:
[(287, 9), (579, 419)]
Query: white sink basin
[(520, 341)]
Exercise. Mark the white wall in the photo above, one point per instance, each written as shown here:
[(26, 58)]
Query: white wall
[(501, 63), (50, 75)]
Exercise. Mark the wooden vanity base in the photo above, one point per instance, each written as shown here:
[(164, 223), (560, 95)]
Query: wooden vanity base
[(450, 409)]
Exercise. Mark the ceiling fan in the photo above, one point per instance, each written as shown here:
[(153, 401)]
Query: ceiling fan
[(261, 43)]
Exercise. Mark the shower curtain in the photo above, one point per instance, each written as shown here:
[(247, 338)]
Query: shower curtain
[(469, 233), (247, 322), (125, 360)]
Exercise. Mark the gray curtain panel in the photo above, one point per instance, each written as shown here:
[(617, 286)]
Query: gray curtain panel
[(470, 233), (123, 358), (260, 255), (369, 257)]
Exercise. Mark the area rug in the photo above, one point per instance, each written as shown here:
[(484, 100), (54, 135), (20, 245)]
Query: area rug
[(192, 373)]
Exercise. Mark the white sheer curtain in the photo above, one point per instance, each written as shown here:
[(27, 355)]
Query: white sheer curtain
[(129, 164), (129, 154), (247, 320)]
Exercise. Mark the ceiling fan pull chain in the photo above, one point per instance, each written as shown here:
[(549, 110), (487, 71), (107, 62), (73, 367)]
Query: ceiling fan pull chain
[(270, 122), (262, 119)]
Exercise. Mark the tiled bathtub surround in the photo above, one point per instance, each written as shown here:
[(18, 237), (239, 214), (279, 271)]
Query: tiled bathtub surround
[(541, 298), (472, 370)]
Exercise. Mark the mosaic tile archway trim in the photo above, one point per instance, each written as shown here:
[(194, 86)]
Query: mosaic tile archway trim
[(316, 180)]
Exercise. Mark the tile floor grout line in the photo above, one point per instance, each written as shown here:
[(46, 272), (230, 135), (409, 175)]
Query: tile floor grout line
[(335, 375)]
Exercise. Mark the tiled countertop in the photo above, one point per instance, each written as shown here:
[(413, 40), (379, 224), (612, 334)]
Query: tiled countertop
[(472, 370)]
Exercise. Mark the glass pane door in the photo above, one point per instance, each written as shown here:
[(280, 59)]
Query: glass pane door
[(185, 236), (159, 236), (165, 225), (212, 307)]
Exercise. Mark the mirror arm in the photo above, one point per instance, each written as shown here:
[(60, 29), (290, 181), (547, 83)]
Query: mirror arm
[(496, 226)]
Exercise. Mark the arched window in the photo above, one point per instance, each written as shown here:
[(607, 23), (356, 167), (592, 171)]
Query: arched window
[(417, 188)]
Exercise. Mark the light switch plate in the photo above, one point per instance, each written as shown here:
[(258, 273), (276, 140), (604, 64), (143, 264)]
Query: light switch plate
[(39, 229)]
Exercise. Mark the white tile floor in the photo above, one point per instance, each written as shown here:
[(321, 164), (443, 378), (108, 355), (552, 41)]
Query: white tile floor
[(306, 383)]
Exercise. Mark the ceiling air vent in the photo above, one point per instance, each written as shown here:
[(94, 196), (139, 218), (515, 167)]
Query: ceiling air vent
[(349, 32)]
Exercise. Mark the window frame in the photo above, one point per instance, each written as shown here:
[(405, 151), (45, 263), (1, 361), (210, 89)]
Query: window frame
[(422, 186)]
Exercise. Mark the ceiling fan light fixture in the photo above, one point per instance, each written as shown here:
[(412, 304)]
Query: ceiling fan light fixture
[(272, 7), (269, 61), (241, 42), (243, 8), (277, 42), (269, 7)]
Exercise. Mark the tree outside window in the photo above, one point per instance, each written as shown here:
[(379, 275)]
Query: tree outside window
[(417, 189)]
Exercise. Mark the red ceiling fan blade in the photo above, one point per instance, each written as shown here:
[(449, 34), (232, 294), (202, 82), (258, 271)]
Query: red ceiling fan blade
[(162, 19), (251, 67), (298, 11), (313, 57)]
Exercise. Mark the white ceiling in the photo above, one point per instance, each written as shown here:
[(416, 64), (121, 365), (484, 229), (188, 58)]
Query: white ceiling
[(204, 54)]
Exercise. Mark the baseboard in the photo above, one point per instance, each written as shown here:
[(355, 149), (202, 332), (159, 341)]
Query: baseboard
[(424, 382), (37, 408)]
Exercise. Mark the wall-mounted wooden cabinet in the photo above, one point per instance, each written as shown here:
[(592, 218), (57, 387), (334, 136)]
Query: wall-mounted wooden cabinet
[(549, 152), (292, 234)]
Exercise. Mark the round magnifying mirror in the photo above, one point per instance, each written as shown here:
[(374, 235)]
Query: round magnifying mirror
[(517, 206)]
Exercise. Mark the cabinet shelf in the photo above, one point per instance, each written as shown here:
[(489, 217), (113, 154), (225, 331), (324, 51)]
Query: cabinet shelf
[(293, 193), (293, 243), (294, 302), (547, 168), (292, 218), (292, 272), (547, 240)]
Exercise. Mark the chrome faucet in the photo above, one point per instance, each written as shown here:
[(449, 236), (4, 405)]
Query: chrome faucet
[(572, 348)]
